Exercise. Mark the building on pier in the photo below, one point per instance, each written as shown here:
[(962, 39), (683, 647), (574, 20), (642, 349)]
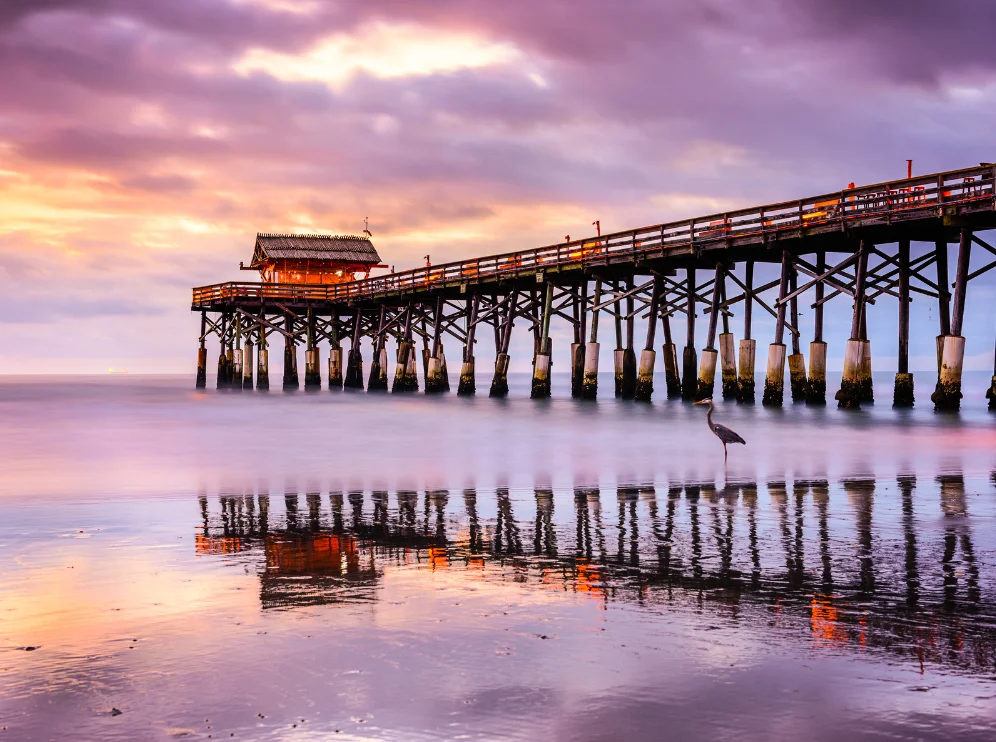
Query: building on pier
[(312, 258)]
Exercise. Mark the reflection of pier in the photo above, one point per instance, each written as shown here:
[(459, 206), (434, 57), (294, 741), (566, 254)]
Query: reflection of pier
[(782, 559)]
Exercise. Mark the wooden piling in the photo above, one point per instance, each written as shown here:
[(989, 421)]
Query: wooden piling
[(747, 372), (796, 362), (707, 364), (590, 385), (499, 384), (628, 385), (377, 380), (467, 386), (689, 360), (991, 392), (544, 352), (816, 388), (618, 354), (774, 376), (434, 369), (354, 360), (902, 395), (291, 381), (224, 368), (850, 393), (406, 375), (235, 383), (947, 395), (645, 374), (201, 380), (580, 309), (247, 360), (312, 359), (672, 379), (262, 362)]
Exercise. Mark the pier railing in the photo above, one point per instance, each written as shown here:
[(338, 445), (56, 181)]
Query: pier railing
[(884, 203)]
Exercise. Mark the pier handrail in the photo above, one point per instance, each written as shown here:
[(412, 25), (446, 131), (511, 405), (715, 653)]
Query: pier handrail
[(881, 202)]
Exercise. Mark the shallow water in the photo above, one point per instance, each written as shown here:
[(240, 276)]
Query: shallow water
[(373, 567)]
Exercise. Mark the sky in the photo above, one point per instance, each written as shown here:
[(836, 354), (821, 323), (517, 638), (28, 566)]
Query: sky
[(143, 144)]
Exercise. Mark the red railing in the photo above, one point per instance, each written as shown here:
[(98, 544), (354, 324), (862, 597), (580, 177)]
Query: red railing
[(894, 200)]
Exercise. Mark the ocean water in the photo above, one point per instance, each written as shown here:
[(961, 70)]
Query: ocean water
[(195, 565)]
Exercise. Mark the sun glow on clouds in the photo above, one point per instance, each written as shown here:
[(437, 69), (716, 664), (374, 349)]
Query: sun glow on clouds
[(383, 50)]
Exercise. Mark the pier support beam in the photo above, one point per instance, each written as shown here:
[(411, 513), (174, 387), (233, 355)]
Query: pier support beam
[(727, 352), (589, 389), (867, 380), (618, 354), (689, 360), (312, 359), (672, 379), (707, 364), (851, 391), (499, 384), (224, 362), (902, 395), (580, 307), (202, 356), (947, 395), (816, 389), (354, 361), (645, 374), (748, 346), (943, 298), (544, 354), (247, 365), (291, 382), (991, 392), (796, 362), (774, 376), (235, 383), (628, 383), (468, 386), (377, 381), (263, 362), (405, 374), (434, 370)]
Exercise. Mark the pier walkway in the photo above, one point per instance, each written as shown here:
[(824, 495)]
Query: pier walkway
[(659, 272)]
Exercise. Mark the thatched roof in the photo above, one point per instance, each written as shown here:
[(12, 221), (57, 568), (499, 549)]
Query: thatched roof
[(345, 248)]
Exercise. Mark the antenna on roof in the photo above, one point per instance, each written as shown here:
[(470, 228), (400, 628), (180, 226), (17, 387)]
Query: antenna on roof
[(366, 226)]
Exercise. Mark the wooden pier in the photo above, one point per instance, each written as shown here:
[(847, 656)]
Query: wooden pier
[(852, 244)]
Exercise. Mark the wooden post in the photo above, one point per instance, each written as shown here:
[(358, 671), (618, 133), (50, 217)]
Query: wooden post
[(263, 361), (816, 389), (312, 358), (335, 354), (947, 395), (543, 355), (354, 361), (645, 375), (672, 379), (224, 370), (727, 352), (434, 375), (236, 380), (291, 381), (748, 346), (247, 362), (577, 349), (774, 377), (589, 388), (617, 354), (377, 381), (405, 350), (467, 386), (796, 361), (707, 364), (850, 392), (991, 393), (903, 392), (689, 360), (499, 385), (944, 297), (202, 354), (628, 384)]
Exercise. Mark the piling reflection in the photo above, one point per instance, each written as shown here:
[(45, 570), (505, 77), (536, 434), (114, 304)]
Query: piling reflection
[(846, 568)]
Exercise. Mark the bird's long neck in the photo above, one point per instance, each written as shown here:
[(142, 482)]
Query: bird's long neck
[(709, 416)]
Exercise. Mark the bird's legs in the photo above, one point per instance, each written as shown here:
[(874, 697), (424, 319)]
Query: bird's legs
[(726, 453)]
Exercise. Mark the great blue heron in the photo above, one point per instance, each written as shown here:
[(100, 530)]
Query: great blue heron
[(722, 432)]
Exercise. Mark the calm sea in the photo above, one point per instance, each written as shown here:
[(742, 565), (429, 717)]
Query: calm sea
[(356, 566)]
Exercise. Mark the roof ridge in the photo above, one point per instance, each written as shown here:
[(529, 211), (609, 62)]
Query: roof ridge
[(313, 236)]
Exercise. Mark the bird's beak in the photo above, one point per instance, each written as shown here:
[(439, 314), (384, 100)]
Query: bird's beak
[(701, 401)]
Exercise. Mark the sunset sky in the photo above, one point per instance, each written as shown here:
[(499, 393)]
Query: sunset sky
[(143, 143)]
